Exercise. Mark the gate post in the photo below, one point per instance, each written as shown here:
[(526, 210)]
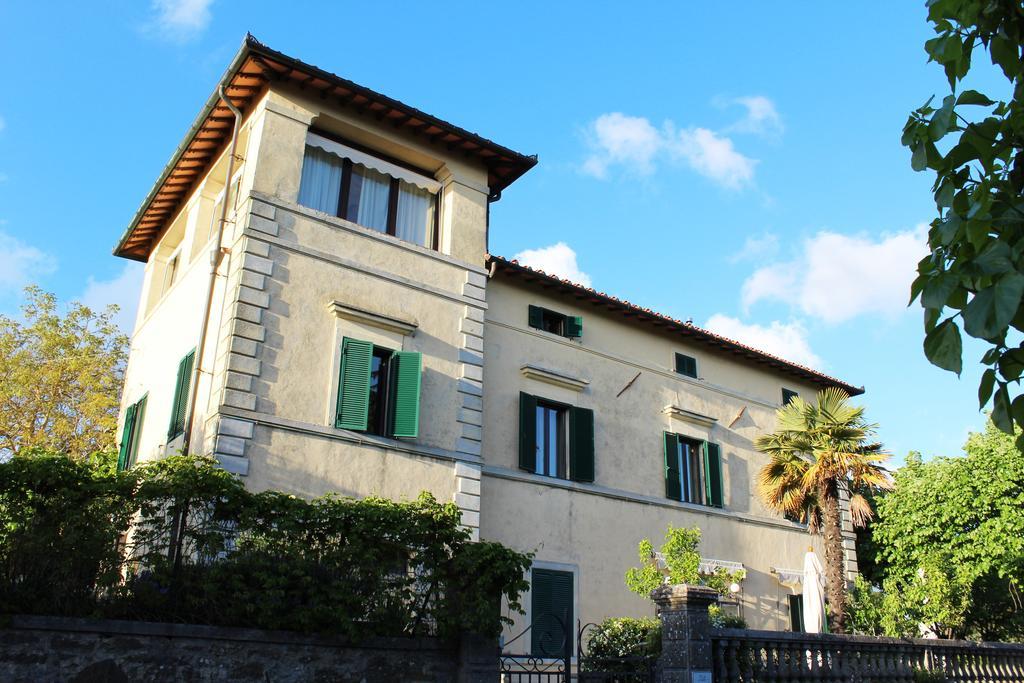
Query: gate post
[(685, 633), (478, 659)]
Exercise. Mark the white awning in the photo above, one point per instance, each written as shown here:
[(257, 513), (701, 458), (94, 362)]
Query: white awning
[(370, 161), (708, 565), (794, 578)]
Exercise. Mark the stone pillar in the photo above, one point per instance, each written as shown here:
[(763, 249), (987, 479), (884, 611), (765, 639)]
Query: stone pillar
[(685, 633), (478, 659)]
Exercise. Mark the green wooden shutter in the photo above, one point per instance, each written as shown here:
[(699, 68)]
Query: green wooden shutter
[(673, 484), (713, 474), (126, 438), (140, 416), (527, 432), (574, 326), (536, 317), (406, 370), (182, 394), (551, 612), (581, 444), (686, 365), (796, 613), (354, 384)]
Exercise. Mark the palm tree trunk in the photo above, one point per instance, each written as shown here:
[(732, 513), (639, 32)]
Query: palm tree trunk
[(835, 561)]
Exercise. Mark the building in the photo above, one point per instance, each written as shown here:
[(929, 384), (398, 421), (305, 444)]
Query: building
[(321, 313)]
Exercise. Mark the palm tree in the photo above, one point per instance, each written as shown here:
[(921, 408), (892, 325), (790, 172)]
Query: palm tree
[(817, 455)]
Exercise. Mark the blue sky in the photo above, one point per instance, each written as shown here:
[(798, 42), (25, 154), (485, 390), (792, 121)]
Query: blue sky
[(738, 165)]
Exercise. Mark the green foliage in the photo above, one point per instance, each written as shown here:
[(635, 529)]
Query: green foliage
[(960, 522), (721, 619), (625, 637), (203, 549), (624, 645), (60, 518), (974, 143), (936, 596), (865, 608), (681, 565), (60, 378)]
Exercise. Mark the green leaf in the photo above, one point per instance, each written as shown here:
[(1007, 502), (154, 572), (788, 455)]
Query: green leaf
[(942, 121), (970, 97), (919, 157), (989, 313), (988, 381), (1006, 55), (1001, 409), (994, 259), (1017, 410), (938, 290), (944, 348)]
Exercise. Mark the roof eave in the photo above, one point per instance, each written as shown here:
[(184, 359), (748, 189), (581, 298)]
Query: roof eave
[(779, 364), (211, 102)]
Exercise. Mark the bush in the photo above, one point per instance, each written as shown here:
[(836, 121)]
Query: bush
[(203, 549), (623, 644), (60, 522), (720, 619)]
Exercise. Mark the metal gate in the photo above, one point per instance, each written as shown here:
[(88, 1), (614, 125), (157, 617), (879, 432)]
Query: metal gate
[(550, 658), (602, 669)]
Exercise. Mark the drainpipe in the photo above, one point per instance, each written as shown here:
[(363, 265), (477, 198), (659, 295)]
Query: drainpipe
[(216, 256)]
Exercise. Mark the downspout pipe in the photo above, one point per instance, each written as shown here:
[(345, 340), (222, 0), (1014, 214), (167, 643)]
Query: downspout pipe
[(216, 257)]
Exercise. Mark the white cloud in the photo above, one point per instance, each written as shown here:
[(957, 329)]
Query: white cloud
[(713, 156), (785, 340), (21, 264), (558, 259), (759, 247), (761, 118), (123, 290), (838, 277), (181, 20), (633, 143), (619, 139)]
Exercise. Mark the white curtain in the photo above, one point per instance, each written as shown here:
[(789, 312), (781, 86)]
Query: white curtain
[(415, 214), (321, 180), (373, 189)]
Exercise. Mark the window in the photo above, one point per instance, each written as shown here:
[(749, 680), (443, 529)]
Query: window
[(796, 613), (555, 323), (551, 612), (182, 394), (130, 435), (686, 365), (693, 471), (378, 389), (556, 440), (377, 194), (788, 395), (170, 273)]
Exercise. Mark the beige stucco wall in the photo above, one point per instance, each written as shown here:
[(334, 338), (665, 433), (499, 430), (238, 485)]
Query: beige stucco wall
[(594, 528)]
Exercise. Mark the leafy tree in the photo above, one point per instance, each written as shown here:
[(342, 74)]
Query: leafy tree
[(681, 564), (975, 146), (952, 536), (818, 453), (60, 378)]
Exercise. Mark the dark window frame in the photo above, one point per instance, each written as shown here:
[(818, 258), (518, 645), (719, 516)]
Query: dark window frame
[(796, 613), (683, 361), (542, 625), (689, 460), (345, 190), (788, 395), (381, 394)]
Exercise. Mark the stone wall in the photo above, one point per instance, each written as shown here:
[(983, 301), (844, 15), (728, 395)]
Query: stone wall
[(43, 649)]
